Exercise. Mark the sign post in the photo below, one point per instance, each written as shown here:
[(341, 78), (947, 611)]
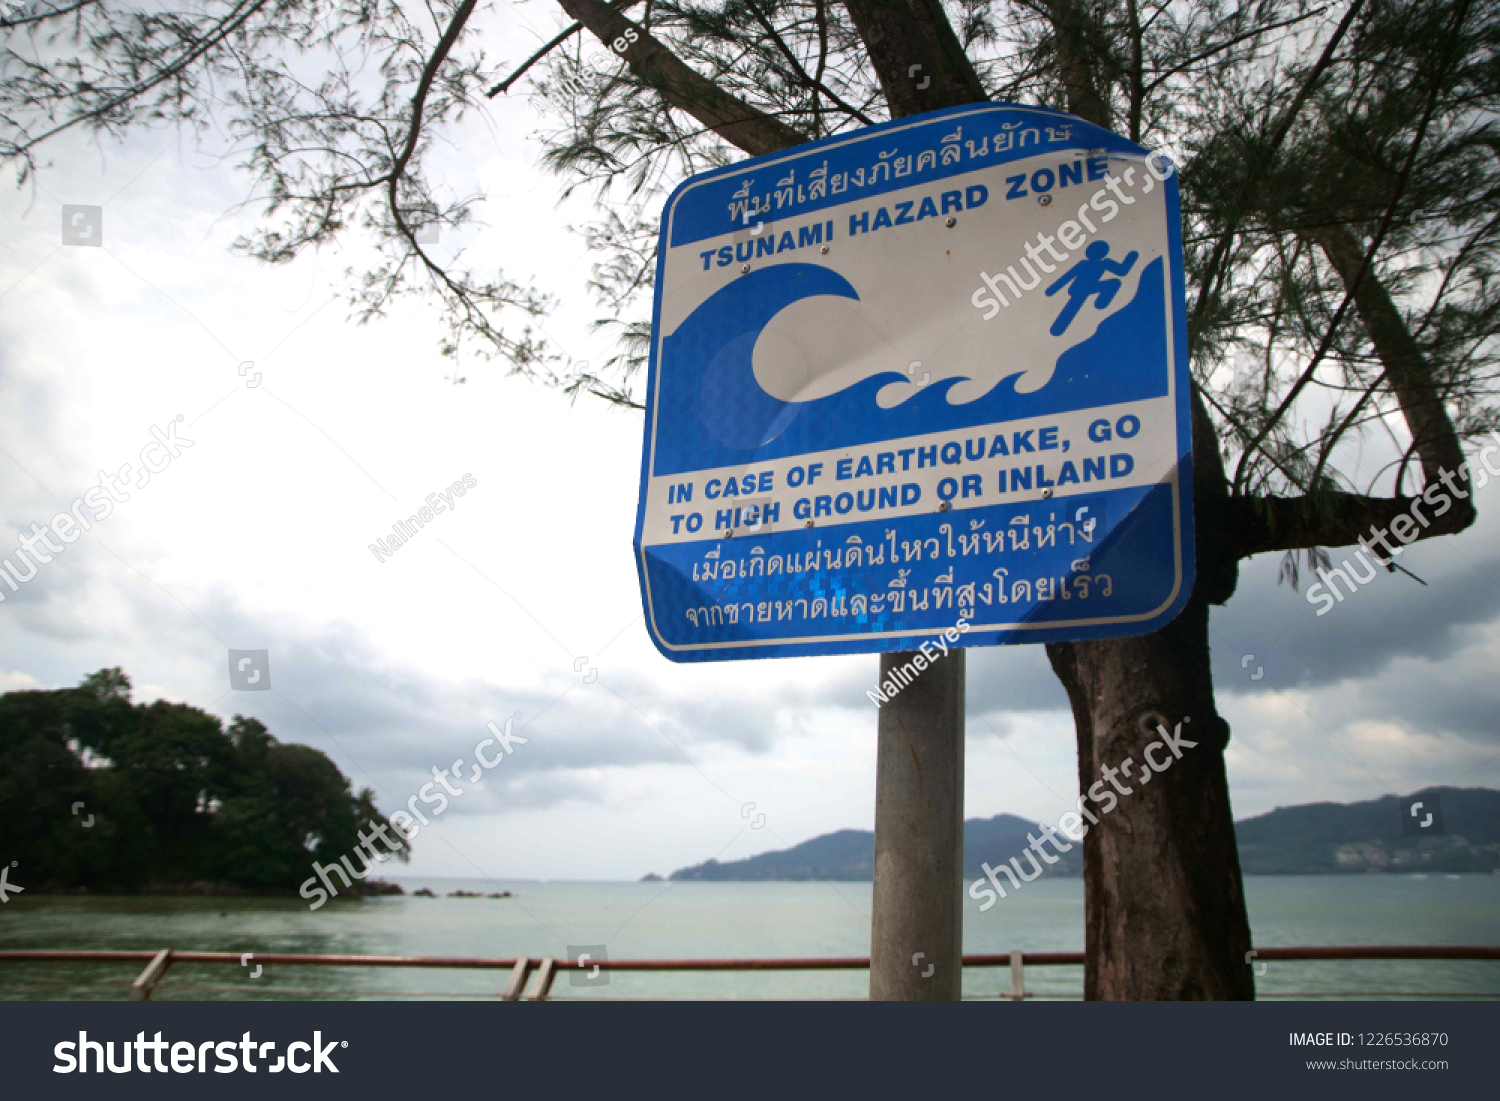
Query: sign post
[(919, 387), (916, 927)]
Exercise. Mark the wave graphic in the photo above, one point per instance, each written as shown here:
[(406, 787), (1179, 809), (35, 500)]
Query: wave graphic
[(717, 342), (719, 415)]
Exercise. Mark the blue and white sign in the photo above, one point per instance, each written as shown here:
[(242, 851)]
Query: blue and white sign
[(931, 371)]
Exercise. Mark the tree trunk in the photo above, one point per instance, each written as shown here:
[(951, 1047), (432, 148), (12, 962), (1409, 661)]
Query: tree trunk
[(1164, 906)]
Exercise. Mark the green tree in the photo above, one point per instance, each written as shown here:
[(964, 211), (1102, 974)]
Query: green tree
[(40, 782), (169, 797)]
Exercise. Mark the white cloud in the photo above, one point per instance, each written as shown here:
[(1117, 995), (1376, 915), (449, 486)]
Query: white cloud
[(18, 682)]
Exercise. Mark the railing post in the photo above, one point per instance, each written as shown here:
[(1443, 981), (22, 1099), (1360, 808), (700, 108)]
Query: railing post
[(518, 976), (544, 976), (140, 990), (1017, 978)]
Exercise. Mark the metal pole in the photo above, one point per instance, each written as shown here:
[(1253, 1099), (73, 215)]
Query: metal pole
[(916, 938)]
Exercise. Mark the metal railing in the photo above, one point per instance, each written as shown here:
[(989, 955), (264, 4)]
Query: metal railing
[(522, 968)]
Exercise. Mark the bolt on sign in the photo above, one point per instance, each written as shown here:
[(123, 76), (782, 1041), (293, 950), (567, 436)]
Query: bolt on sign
[(931, 370)]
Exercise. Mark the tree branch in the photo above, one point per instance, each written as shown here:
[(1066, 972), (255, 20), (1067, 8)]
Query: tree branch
[(911, 44), (567, 33), (1358, 273), (41, 16), (809, 82), (727, 115), (1254, 179), (1272, 523), (1137, 89), (520, 71), (223, 29), (418, 101), (821, 19), (1219, 47), (1406, 369), (1071, 26)]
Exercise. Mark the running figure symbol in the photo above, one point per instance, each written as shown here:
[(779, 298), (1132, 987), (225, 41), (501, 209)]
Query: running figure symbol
[(1087, 277)]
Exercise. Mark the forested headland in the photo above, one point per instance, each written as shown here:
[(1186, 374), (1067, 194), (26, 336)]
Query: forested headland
[(101, 794)]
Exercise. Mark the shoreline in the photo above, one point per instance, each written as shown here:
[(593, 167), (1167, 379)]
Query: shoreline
[(202, 889)]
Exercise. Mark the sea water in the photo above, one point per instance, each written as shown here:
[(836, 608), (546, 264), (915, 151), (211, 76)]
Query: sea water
[(666, 920)]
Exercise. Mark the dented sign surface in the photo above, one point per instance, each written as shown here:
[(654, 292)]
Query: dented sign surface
[(930, 371)]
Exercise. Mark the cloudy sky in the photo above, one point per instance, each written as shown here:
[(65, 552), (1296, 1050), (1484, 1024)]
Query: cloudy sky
[(523, 600)]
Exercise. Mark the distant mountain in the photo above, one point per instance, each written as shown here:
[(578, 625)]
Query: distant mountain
[(1315, 839), (847, 854), (850, 855), (1320, 838)]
